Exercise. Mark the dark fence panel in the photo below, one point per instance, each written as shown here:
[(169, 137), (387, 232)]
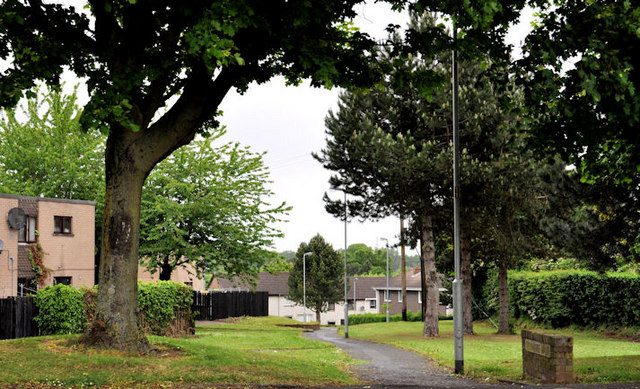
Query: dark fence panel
[(16, 318), (221, 305)]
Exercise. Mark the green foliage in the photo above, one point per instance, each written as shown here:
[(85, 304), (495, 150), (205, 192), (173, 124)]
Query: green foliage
[(583, 298), (64, 309), (277, 265), (60, 310), (44, 152), (382, 317), (207, 206), (160, 302), (324, 275)]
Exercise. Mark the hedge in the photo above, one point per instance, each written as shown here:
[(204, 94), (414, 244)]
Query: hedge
[(583, 298), (382, 317), (60, 310), (64, 309)]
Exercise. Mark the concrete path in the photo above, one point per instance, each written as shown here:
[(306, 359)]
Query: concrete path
[(389, 367)]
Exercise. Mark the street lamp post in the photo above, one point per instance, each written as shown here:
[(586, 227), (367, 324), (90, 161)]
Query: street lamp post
[(346, 280), (304, 286), (386, 297), (354, 294)]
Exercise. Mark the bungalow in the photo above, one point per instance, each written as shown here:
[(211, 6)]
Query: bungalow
[(65, 231), (365, 295)]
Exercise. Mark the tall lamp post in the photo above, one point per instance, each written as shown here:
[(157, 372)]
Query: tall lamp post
[(346, 281), (457, 282), (304, 286), (386, 297), (354, 294)]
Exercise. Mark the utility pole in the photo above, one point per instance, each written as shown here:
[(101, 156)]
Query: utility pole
[(457, 283)]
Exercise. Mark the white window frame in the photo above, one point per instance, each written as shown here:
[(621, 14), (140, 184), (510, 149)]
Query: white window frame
[(399, 296), (419, 297)]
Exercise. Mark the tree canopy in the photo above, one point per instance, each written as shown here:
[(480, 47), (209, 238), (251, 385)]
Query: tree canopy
[(206, 205), (324, 276), (156, 73)]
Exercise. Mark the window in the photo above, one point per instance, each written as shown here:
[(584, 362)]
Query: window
[(287, 302), (62, 280), (399, 296), (372, 304), (28, 232), (62, 225), (350, 305), (386, 296), (420, 297), (331, 307)]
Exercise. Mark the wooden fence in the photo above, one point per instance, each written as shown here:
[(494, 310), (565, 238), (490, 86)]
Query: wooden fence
[(221, 305), (16, 318), (17, 313)]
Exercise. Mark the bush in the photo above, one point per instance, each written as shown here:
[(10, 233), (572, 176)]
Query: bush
[(163, 302), (165, 308), (60, 310), (582, 298), (382, 317)]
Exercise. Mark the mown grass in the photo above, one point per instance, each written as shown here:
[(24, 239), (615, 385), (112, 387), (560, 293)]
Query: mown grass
[(596, 359), (248, 351)]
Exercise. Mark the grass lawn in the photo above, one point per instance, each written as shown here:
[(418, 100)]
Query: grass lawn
[(596, 359), (253, 350)]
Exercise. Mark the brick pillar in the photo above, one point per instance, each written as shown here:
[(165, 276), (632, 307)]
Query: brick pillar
[(547, 358)]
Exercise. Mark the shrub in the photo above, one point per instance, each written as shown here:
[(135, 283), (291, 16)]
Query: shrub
[(582, 298), (165, 308), (382, 317), (163, 302), (60, 310)]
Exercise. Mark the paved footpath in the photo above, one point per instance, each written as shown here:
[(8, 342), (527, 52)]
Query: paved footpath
[(391, 367)]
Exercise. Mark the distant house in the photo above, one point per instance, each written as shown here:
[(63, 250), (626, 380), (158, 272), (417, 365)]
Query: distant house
[(368, 296), (65, 231), (185, 274)]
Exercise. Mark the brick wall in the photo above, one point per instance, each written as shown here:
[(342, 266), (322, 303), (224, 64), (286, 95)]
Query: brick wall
[(547, 358), (10, 238), (68, 255)]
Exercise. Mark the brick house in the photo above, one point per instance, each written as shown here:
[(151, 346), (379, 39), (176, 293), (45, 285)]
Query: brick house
[(65, 231), (367, 298)]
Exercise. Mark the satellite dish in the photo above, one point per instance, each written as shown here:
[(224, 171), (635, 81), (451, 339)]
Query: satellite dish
[(17, 218)]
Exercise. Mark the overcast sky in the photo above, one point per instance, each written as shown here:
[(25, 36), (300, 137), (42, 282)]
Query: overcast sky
[(288, 124)]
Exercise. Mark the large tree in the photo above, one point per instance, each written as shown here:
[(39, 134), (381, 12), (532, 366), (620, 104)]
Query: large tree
[(207, 206), (324, 276), (582, 79), (136, 56)]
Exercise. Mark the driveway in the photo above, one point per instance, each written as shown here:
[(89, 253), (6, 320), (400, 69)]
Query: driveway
[(390, 367)]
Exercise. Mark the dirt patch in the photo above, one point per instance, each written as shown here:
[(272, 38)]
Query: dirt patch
[(306, 327)]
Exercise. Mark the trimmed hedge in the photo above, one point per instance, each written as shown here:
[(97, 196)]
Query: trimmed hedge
[(165, 307), (382, 317), (583, 298), (162, 302), (60, 310)]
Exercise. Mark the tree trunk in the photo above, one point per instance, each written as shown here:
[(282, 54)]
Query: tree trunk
[(403, 267), (503, 294), (129, 158), (165, 270), (116, 322), (318, 315), (465, 269), (431, 276)]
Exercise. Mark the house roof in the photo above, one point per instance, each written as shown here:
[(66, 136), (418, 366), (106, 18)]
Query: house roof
[(48, 199), (277, 284)]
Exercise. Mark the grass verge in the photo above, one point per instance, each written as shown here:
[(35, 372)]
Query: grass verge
[(486, 355), (251, 350)]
